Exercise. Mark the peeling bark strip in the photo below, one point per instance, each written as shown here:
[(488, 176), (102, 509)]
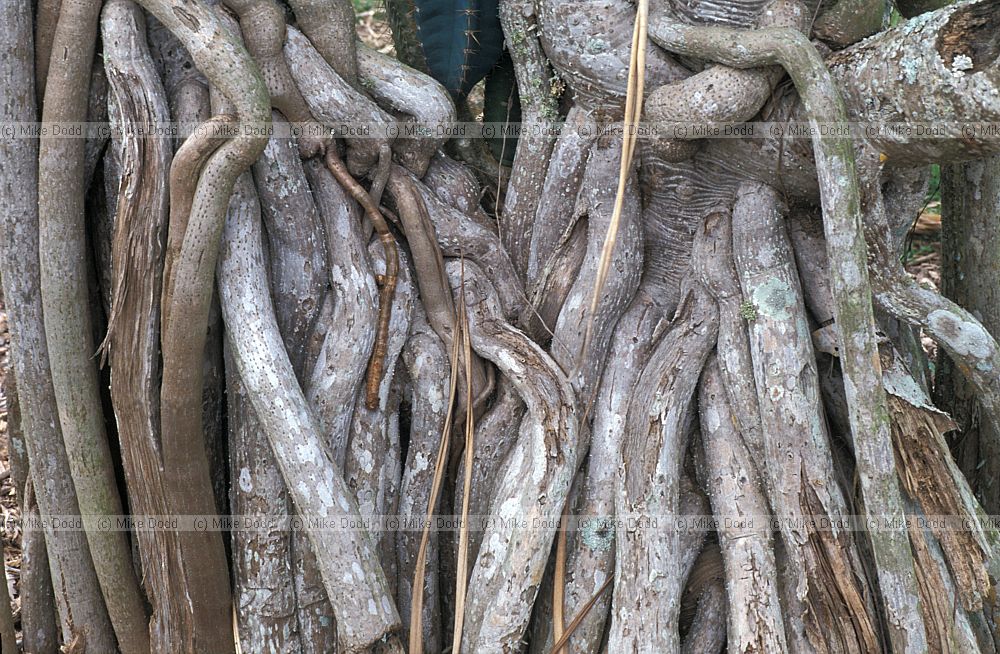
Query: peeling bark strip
[(967, 342), (219, 55), (933, 480), (64, 275), (825, 596), (847, 250), (133, 340), (80, 604), (355, 582)]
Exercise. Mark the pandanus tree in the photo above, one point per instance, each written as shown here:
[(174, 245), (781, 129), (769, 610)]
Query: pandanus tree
[(670, 376)]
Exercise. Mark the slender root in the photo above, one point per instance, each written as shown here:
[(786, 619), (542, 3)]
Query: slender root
[(387, 282)]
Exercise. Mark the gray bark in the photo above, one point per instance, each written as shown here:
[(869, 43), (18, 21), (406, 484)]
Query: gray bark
[(79, 604), (970, 197), (347, 559)]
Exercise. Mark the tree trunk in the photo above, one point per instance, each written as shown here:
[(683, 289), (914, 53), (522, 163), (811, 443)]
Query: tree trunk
[(643, 390)]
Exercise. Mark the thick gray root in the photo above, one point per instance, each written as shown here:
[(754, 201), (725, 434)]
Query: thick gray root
[(737, 494), (264, 586), (536, 482), (557, 208), (403, 90), (297, 258), (347, 560), (649, 558), (591, 551), (428, 366), (68, 551), (339, 372), (826, 589), (568, 340), (373, 465), (538, 93), (334, 102)]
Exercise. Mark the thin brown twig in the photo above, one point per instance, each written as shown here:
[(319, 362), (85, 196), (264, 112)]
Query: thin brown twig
[(387, 282), (461, 578), (578, 618), (417, 603), (559, 582)]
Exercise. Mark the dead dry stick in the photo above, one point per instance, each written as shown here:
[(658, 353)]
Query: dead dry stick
[(633, 110), (387, 282), (416, 617)]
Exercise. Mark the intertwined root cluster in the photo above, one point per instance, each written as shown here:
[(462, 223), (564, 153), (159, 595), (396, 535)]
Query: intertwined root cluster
[(345, 329)]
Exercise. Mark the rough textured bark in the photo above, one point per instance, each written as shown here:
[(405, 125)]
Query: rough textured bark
[(406, 91), (590, 561), (649, 558), (826, 599), (970, 197), (39, 617), (736, 490), (338, 375), (428, 366), (133, 341), (538, 94), (536, 482), (840, 197), (348, 561), (299, 280), (334, 102)]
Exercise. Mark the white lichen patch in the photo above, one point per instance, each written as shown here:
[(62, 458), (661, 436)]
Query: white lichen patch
[(246, 483), (774, 298), (966, 338), (960, 64), (597, 535)]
